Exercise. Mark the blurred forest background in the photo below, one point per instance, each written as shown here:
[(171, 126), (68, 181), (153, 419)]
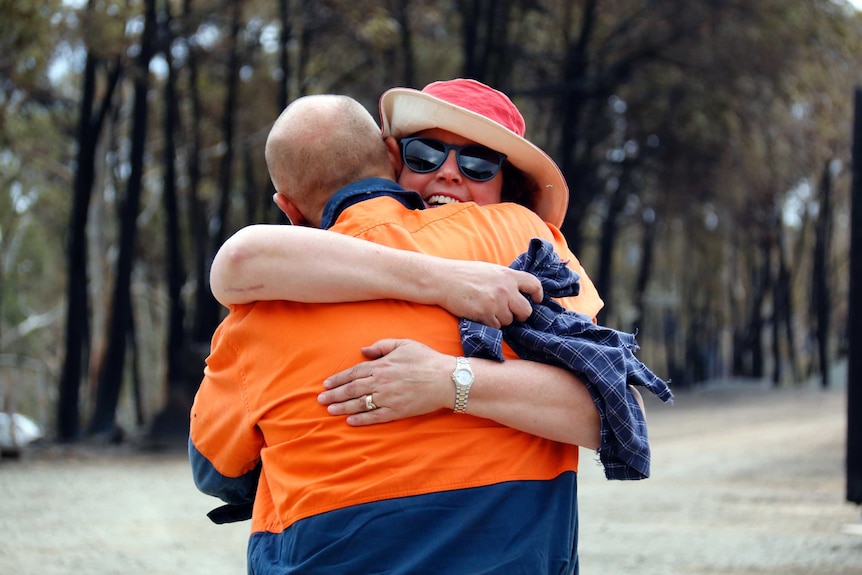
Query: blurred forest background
[(706, 144)]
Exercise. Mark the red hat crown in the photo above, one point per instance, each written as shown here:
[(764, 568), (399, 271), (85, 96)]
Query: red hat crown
[(481, 99)]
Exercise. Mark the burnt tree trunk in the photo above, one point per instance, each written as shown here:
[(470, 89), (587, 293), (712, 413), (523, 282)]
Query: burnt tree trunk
[(283, 96), (821, 295), (485, 37), (570, 107), (854, 318), (103, 422), (405, 56), (77, 335), (198, 216), (608, 240), (645, 270), (211, 310), (171, 422)]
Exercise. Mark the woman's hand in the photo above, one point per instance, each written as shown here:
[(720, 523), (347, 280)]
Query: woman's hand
[(403, 377), (488, 293)]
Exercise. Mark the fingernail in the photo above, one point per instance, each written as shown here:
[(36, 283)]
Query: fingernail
[(321, 398)]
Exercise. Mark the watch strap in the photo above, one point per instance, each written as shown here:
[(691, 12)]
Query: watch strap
[(462, 392)]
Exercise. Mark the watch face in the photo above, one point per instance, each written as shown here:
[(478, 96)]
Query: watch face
[(462, 376)]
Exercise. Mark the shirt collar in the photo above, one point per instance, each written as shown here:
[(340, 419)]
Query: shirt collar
[(367, 189)]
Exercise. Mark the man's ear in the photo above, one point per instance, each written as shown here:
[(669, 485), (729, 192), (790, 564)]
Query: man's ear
[(289, 208), (394, 152)]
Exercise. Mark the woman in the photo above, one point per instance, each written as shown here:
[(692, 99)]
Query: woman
[(459, 141)]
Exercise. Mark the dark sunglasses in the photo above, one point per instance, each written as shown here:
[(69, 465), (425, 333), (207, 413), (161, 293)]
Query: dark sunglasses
[(423, 155)]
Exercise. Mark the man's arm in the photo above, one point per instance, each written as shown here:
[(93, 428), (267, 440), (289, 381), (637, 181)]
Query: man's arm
[(266, 262)]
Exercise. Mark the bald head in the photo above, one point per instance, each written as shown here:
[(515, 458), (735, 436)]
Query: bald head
[(320, 144)]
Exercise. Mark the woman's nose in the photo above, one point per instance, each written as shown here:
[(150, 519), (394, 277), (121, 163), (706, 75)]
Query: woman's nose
[(449, 170)]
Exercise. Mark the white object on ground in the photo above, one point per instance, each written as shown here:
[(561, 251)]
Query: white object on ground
[(17, 430)]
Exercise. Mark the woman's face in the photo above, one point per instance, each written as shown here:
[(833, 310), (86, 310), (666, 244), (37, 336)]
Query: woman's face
[(448, 184)]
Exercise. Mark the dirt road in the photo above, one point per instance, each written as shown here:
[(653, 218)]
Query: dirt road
[(745, 481)]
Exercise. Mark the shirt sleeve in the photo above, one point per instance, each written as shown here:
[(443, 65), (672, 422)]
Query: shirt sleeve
[(224, 440)]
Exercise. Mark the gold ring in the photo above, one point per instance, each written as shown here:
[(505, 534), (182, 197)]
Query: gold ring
[(369, 403)]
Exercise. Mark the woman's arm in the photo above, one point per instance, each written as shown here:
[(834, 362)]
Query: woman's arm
[(263, 262), (407, 378)]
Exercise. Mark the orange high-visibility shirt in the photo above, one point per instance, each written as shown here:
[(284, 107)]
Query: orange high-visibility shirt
[(258, 399)]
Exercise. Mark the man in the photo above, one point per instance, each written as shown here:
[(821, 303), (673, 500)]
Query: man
[(436, 492), (252, 264)]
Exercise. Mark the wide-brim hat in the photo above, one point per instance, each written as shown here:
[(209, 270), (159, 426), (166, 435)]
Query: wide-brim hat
[(486, 116)]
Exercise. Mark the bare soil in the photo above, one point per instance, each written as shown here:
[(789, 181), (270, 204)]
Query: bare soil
[(745, 480)]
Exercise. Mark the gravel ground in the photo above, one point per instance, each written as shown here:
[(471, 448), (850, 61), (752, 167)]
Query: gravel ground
[(745, 480)]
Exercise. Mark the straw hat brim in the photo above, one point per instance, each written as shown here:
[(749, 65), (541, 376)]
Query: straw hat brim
[(404, 111)]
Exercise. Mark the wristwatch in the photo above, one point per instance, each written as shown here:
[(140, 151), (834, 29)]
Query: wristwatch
[(463, 378)]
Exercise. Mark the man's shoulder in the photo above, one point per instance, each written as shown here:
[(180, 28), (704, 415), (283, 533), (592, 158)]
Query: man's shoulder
[(375, 212)]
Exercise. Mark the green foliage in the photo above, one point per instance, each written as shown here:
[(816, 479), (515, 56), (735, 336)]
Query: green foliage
[(34, 178), (25, 38)]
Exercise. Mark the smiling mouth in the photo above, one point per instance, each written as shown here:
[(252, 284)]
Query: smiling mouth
[(440, 200)]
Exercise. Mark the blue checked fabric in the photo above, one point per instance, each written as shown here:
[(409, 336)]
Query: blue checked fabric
[(603, 357)]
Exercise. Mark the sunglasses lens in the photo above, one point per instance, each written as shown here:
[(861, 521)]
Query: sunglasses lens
[(479, 163), (424, 155)]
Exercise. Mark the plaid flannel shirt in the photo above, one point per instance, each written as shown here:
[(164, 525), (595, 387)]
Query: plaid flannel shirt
[(603, 357)]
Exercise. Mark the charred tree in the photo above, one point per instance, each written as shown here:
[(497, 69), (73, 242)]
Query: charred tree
[(645, 269), (571, 102), (210, 308), (748, 357), (171, 423), (406, 56), (485, 33), (283, 97), (854, 317), (90, 123), (197, 212), (103, 421), (820, 293)]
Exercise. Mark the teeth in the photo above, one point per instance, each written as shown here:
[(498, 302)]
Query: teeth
[(441, 200)]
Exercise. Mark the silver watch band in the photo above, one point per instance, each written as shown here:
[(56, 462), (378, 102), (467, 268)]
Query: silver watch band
[(462, 390), (461, 396)]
